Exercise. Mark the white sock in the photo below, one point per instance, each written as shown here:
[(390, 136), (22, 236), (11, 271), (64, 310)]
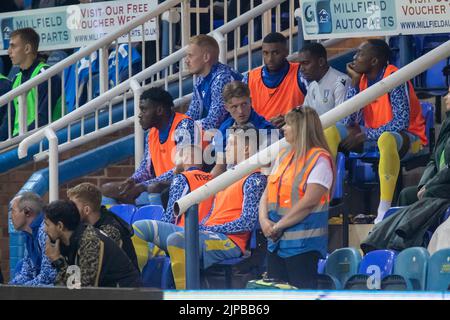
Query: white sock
[(383, 207)]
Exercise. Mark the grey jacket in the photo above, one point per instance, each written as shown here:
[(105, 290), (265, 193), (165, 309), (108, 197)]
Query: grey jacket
[(437, 182), (407, 227)]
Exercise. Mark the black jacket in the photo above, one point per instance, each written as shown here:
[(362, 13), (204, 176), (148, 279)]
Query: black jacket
[(5, 87), (407, 227), (119, 231), (102, 263), (437, 182)]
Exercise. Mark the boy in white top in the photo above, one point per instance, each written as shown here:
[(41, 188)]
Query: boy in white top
[(327, 87)]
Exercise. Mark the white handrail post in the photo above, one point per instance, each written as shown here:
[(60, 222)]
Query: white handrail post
[(138, 132), (185, 23), (103, 56), (53, 164), (222, 46), (267, 21), (23, 125)]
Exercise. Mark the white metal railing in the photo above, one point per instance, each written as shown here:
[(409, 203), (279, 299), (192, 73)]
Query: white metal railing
[(134, 84), (84, 58), (328, 119), (175, 17)]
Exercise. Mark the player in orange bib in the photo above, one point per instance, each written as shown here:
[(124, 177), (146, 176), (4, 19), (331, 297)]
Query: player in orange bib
[(392, 124), (277, 87), (167, 131), (225, 231)]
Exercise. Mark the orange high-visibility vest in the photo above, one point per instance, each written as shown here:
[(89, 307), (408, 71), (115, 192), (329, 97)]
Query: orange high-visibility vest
[(162, 154), (272, 102), (285, 187), (227, 208), (379, 112), (196, 179)]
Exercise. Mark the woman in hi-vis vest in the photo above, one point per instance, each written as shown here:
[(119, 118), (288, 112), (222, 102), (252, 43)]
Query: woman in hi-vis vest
[(293, 210)]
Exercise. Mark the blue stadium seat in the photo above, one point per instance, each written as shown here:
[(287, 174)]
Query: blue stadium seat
[(340, 266), (383, 259), (395, 51), (149, 212), (433, 82), (433, 79), (404, 51), (339, 62), (124, 211), (438, 274), (410, 271), (157, 273), (55, 57)]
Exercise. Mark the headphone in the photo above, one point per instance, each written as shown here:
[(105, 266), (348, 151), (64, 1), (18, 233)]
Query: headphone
[(27, 211)]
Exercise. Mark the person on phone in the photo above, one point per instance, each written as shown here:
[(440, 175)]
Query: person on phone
[(293, 211), (392, 124), (435, 181)]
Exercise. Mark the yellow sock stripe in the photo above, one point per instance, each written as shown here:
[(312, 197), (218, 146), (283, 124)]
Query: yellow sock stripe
[(141, 249), (177, 261), (222, 245)]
